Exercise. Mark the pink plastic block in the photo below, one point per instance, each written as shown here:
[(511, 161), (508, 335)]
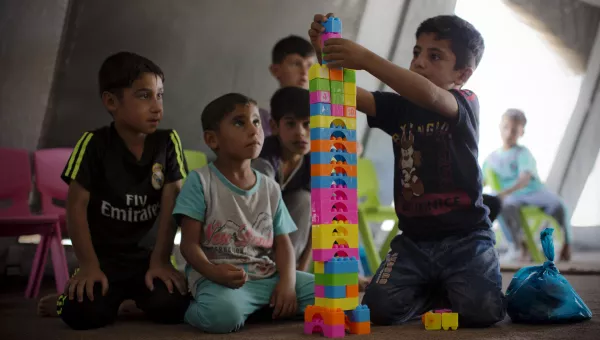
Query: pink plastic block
[(333, 217), (319, 291), (318, 326), (333, 195), (326, 36), (320, 97), (337, 110), (337, 250)]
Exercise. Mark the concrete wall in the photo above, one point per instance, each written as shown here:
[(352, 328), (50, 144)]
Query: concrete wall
[(30, 35), (205, 48)]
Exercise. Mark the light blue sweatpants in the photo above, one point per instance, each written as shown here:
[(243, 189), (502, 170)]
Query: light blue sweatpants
[(219, 309)]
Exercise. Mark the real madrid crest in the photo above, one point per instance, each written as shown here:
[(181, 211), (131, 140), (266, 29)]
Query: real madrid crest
[(158, 178)]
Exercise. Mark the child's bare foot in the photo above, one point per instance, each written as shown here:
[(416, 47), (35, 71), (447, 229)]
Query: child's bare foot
[(363, 282), (47, 305), (128, 307)]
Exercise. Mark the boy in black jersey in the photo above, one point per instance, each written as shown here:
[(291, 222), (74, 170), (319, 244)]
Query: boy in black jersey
[(445, 256), (122, 179)]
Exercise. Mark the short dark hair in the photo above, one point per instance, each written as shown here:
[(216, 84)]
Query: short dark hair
[(290, 100), (516, 115), (291, 44), (466, 42), (121, 69), (216, 110)]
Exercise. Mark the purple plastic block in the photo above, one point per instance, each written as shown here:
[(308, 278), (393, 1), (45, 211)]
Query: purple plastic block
[(319, 291), (320, 97), (327, 36), (337, 110)]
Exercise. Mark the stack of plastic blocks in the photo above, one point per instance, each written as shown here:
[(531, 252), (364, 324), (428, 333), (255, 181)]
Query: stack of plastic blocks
[(440, 319), (334, 200)]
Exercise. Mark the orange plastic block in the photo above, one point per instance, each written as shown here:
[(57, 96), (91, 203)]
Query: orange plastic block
[(333, 145), (360, 327), (330, 316), (336, 74), (349, 111), (342, 170), (352, 291)]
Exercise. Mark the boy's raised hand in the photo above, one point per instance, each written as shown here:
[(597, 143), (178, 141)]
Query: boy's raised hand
[(316, 28), (338, 52), (228, 275)]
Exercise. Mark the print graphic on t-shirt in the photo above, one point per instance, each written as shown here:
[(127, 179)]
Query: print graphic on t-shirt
[(136, 211), (409, 162), (437, 195), (233, 238)]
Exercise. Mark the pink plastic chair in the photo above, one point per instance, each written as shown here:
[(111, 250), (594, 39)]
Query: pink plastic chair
[(49, 165), (16, 219)]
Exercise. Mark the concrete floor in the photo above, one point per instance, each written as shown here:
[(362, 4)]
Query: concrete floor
[(18, 321)]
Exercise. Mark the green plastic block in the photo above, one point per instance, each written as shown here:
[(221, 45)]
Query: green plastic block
[(336, 279), (337, 86), (318, 85), (337, 98), (349, 75)]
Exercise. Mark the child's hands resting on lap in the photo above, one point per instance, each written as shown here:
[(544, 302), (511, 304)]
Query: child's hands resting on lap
[(167, 274), (228, 275), (283, 300), (83, 282), (339, 52)]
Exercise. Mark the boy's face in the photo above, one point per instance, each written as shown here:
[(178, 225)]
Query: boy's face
[(434, 60), (240, 136), (293, 70), (141, 107), (510, 131), (294, 134)]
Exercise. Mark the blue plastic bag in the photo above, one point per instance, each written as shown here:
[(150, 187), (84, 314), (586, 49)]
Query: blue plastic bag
[(540, 294)]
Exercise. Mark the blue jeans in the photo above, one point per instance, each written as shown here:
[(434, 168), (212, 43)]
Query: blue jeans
[(219, 309), (460, 272)]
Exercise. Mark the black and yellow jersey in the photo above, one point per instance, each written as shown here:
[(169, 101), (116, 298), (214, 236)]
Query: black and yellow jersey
[(125, 193)]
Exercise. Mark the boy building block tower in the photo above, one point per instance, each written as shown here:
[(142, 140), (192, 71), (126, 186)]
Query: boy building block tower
[(334, 200)]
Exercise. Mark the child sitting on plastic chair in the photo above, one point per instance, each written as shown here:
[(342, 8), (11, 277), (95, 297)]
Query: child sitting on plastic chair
[(520, 185)]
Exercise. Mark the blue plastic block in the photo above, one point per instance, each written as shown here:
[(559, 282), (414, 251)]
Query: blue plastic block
[(335, 292), (328, 157), (333, 25), (360, 314), (320, 109), (327, 133), (325, 182), (341, 265)]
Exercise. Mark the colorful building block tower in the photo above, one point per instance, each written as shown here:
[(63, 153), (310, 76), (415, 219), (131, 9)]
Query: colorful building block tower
[(334, 200)]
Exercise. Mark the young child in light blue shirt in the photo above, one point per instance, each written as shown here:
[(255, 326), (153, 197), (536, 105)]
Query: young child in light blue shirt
[(235, 228), (516, 171)]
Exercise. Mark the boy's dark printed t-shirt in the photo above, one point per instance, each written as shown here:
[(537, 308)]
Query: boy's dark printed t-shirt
[(271, 152), (125, 193), (437, 180)]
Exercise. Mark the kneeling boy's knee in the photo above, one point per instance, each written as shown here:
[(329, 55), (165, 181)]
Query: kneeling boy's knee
[(164, 307), (487, 312), (379, 303), (215, 317), (86, 314)]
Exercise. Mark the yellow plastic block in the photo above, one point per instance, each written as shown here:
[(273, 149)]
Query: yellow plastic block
[(324, 236), (319, 267), (326, 121), (318, 71), (344, 304), (350, 99), (432, 321), (350, 88), (450, 321)]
